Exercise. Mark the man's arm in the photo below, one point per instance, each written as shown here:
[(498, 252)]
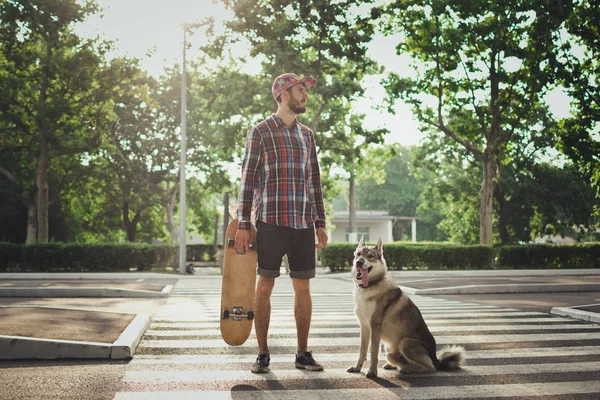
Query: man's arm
[(250, 165), (315, 193)]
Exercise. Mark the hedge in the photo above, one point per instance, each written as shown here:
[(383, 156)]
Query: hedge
[(402, 256), (549, 256), (201, 252), (74, 257)]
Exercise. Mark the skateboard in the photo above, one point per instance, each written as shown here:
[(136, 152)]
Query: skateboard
[(237, 291)]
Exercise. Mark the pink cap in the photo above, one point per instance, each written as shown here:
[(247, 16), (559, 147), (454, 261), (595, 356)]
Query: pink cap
[(286, 81)]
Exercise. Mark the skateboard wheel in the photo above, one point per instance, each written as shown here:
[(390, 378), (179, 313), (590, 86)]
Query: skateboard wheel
[(230, 242), (225, 314), (250, 315)]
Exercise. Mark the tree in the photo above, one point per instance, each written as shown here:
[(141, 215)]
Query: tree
[(478, 73), (388, 183), (51, 98), (327, 40), (580, 75)]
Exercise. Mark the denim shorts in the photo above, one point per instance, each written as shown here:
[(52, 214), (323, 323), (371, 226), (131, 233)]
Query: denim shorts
[(273, 242)]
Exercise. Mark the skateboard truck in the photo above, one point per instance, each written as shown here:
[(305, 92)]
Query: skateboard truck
[(231, 242), (237, 314)]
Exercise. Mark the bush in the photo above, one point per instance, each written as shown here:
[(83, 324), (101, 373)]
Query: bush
[(200, 252), (549, 256), (338, 256), (73, 257), (403, 256)]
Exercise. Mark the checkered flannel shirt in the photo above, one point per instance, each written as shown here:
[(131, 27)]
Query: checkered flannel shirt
[(280, 175)]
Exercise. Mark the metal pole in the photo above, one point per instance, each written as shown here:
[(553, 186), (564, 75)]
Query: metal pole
[(182, 199), (225, 224)]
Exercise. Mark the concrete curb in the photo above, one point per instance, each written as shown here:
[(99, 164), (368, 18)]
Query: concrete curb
[(91, 291), (124, 347), (573, 312), (20, 347), (87, 275), (507, 288)]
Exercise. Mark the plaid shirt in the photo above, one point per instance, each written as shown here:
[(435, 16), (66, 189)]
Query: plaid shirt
[(280, 174)]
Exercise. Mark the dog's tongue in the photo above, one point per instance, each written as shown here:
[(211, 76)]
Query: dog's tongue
[(365, 277)]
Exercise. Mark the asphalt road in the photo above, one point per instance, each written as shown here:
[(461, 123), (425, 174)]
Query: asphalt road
[(182, 355)]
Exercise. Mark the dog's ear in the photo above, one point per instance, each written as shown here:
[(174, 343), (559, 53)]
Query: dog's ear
[(379, 246), (362, 241)]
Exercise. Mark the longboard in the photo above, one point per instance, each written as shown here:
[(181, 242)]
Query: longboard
[(237, 290)]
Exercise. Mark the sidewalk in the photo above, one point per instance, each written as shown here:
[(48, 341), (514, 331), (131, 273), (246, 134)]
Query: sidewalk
[(51, 332)]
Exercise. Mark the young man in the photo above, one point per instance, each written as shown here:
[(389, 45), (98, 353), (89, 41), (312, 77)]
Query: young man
[(280, 175)]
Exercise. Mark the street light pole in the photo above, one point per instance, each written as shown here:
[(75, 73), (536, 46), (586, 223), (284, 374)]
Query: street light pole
[(182, 162)]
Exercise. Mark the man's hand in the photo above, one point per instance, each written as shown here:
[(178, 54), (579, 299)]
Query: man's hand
[(322, 236), (242, 239)]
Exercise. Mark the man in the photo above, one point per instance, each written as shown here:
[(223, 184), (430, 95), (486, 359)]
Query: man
[(280, 175)]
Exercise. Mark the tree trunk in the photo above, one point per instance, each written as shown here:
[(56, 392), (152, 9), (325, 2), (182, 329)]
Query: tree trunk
[(486, 209), (31, 223), (352, 235), (169, 204), (216, 237), (43, 165), (503, 215), (130, 225)]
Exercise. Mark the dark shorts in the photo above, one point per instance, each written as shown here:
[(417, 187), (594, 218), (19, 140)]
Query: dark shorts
[(273, 242)]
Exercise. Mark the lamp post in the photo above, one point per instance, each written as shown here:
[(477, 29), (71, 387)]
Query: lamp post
[(182, 162)]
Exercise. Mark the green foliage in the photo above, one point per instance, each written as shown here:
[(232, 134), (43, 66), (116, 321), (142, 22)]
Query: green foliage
[(201, 252), (549, 256), (578, 70), (52, 104), (479, 73), (328, 40), (68, 257), (338, 256)]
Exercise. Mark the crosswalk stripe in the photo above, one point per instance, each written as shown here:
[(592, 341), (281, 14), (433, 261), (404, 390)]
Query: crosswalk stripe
[(555, 321), (351, 357), (413, 393), (345, 341), (347, 331), (182, 356), (341, 374)]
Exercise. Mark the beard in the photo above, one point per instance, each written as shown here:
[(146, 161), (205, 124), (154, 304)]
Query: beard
[(297, 107)]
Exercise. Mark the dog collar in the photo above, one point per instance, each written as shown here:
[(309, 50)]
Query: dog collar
[(375, 282)]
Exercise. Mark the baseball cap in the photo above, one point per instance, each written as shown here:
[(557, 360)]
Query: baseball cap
[(287, 80)]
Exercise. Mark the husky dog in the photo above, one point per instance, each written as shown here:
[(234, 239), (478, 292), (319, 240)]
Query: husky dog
[(387, 314)]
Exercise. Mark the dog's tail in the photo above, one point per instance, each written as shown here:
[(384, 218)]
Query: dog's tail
[(451, 358)]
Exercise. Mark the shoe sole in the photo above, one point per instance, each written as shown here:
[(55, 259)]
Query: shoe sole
[(309, 367), (261, 370)]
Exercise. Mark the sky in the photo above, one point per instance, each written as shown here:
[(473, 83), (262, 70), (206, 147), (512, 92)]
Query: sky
[(143, 27)]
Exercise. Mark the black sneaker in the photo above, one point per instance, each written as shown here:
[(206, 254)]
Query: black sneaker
[(306, 361), (261, 366)]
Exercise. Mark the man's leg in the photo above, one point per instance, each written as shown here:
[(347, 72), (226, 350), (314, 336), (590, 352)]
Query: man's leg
[(262, 311), (302, 312)]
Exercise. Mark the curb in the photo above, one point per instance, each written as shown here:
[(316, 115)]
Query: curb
[(87, 275), (573, 312), (507, 288), (92, 291), (21, 347)]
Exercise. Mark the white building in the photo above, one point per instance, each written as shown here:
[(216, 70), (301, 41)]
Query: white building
[(370, 224)]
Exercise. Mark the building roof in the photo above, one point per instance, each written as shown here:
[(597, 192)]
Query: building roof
[(368, 214)]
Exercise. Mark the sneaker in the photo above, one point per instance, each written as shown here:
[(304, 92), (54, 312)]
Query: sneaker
[(306, 361), (261, 366)]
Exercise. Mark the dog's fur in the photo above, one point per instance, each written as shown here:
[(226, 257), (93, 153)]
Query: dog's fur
[(387, 314)]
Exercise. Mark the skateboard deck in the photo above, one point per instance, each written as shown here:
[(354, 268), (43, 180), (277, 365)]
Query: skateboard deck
[(237, 291)]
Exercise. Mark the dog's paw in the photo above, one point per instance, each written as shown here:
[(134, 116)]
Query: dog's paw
[(372, 373), (389, 366), (353, 369)]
